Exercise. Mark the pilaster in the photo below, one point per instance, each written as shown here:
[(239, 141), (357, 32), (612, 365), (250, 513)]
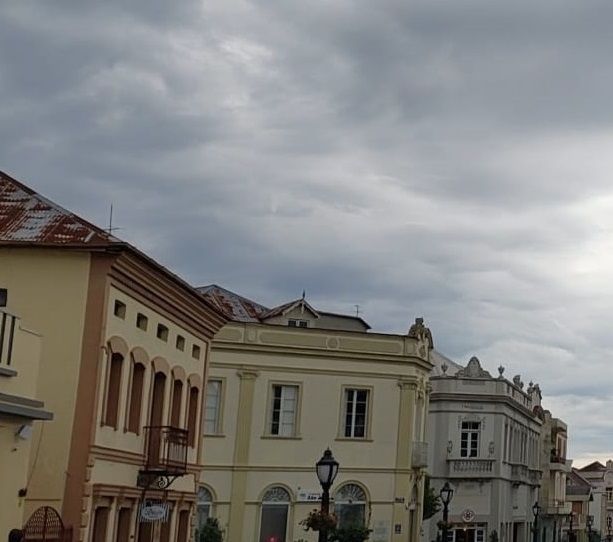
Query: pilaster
[(241, 452)]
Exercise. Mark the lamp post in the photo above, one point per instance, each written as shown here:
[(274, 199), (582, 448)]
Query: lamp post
[(535, 510), (571, 534), (327, 469), (609, 528), (446, 494)]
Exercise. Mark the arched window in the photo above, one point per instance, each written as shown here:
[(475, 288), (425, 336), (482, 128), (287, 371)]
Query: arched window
[(275, 512), (350, 505), (113, 390), (192, 415), (136, 397), (175, 410), (204, 505)]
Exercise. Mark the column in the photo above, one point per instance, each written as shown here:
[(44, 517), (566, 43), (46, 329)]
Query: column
[(241, 453)]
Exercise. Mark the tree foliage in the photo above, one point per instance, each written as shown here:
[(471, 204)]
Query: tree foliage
[(432, 502), (211, 531)]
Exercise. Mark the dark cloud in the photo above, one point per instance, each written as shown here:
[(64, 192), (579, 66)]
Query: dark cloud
[(443, 159)]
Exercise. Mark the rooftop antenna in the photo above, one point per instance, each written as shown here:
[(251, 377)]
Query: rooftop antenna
[(357, 310), (111, 229)]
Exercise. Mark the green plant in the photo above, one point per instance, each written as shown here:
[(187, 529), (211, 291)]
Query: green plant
[(432, 502), (318, 520), (211, 531), (350, 534)]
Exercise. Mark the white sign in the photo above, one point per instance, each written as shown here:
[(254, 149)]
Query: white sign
[(309, 496), (380, 531), (154, 511)]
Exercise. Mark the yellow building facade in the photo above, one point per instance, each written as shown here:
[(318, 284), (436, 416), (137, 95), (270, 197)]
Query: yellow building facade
[(307, 380), (124, 352), (20, 412)]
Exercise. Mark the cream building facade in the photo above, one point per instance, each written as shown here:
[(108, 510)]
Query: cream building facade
[(484, 435), (600, 476), (125, 347), (556, 468), (307, 380), (20, 411)]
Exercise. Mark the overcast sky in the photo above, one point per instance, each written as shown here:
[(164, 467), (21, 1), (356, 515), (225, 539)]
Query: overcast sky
[(444, 159)]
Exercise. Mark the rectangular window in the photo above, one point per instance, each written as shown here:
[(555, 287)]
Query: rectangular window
[(141, 321), (212, 408), (469, 441), (609, 491), (356, 412), (284, 408), (162, 332), (180, 343), (195, 351), (298, 323), (119, 309)]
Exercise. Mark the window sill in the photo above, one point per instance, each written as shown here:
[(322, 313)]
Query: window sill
[(280, 437), (213, 435), (7, 372), (354, 439)]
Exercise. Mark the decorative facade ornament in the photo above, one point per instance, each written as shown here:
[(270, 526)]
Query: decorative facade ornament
[(351, 493), (421, 333), (473, 370), (276, 494), (491, 448), (517, 381), (500, 371), (444, 368)]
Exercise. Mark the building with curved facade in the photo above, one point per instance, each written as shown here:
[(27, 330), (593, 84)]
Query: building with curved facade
[(124, 353)]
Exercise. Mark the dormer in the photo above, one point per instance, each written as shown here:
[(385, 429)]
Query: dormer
[(293, 314)]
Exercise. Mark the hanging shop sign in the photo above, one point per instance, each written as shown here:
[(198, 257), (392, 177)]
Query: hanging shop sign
[(154, 511)]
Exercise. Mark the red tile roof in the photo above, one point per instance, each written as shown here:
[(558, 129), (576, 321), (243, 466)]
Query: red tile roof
[(27, 217)]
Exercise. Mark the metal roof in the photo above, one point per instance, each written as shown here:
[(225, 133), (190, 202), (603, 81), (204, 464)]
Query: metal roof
[(27, 217), (236, 307), (241, 309)]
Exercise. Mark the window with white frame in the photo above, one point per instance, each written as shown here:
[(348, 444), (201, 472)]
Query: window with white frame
[(274, 515), (212, 407), (356, 413), (350, 506), (284, 410), (297, 323), (203, 510), (469, 440)]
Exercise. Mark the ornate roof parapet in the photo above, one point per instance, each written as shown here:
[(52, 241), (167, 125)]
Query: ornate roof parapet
[(473, 370)]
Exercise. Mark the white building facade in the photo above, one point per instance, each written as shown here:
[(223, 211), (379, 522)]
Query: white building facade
[(484, 439)]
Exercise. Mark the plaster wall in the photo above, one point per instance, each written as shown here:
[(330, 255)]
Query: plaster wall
[(48, 290)]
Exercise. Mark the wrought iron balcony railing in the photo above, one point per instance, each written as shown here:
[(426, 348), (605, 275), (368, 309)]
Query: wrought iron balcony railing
[(165, 450)]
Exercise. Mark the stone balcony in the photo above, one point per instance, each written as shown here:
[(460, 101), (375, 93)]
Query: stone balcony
[(471, 468)]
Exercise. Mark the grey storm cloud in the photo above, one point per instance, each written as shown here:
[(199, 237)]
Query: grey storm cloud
[(446, 159)]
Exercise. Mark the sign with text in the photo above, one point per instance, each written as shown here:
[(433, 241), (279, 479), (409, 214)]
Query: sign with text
[(153, 511), (309, 496)]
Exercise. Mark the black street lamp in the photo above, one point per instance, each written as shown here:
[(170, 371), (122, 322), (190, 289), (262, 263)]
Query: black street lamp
[(571, 534), (446, 494), (535, 510), (327, 469)]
